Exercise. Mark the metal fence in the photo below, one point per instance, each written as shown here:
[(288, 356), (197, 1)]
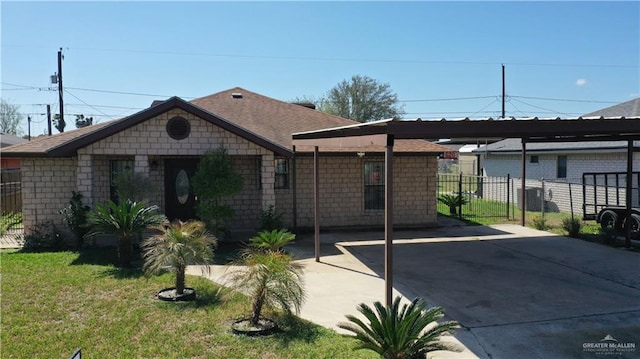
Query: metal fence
[(11, 199), (501, 197), (482, 197)]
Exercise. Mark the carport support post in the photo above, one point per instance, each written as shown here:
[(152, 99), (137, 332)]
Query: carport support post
[(388, 221), (629, 184), (316, 201), (523, 197)]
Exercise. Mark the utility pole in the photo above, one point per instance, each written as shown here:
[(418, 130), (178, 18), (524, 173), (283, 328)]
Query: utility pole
[(49, 118), (29, 127), (61, 123), (503, 91)]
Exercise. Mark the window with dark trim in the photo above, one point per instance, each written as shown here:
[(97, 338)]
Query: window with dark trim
[(118, 168), (534, 159), (282, 173), (374, 185), (562, 167)]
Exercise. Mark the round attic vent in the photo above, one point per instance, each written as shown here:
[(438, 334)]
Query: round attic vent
[(178, 128)]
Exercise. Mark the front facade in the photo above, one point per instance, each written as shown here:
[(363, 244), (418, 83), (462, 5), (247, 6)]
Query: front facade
[(164, 143)]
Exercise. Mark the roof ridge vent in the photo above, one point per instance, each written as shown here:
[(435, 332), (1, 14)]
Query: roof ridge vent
[(236, 94)]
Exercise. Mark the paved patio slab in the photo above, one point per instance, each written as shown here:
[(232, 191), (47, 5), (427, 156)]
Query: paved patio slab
[(518, 292)]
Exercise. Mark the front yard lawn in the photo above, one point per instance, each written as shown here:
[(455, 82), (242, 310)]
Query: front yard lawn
[(53, 303)]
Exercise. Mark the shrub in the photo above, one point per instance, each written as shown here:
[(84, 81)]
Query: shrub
[(75, 217), (572, 226), (9, 221), (393, 332), (453, 201), (43, 237), (215, 180), (272, 240), (270, 220), (540, 223)]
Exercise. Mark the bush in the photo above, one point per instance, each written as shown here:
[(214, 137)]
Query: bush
[(75, 217), (453, 201), (540, 223), (44, 236), (270, 220), (572, 226), (8, 221)]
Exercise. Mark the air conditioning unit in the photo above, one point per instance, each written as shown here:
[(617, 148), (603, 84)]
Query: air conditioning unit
[(533, 197)]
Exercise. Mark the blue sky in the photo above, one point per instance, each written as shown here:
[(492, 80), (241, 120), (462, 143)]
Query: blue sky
[(425, 51)]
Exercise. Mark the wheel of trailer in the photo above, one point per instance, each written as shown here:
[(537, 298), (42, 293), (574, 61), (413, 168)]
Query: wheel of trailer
[(635, 226), (609, 219)]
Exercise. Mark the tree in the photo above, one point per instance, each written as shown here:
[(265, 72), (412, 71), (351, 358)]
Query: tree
[(177, 245), (362, 99), (10, 118), (82, 121), (59, 123), (215, 180)]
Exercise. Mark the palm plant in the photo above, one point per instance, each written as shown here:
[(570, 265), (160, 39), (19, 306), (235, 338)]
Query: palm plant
[(400, 333), (453, 201), (177, 245), (125, 220), (272, 240), (271, 278)]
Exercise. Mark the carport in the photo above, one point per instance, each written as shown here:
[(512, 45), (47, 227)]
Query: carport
[(385, 132)]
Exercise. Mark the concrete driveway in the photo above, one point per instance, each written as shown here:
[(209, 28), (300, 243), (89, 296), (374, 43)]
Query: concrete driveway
[(517, 292)]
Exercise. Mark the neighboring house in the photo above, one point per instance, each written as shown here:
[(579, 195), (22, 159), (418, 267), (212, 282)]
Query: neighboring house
[(5, 141), (560, 163), (165, 141)]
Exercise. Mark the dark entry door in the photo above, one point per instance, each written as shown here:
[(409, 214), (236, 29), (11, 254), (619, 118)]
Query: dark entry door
[(179, 200)]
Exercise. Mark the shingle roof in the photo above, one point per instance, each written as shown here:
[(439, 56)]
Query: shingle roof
[(514, 145), (277, 120), (630, 108), (9, 140), (260, 119)]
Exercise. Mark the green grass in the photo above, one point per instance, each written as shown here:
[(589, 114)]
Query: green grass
[(53, 303)]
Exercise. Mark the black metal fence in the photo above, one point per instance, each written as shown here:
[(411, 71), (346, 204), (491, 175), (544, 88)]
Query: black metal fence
[(11, 199), (481, 197)]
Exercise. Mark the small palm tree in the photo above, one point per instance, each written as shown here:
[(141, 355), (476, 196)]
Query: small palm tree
[(270, 279), (394, 333), (125, 220), (272, 240), (178, 245), (453, 201)]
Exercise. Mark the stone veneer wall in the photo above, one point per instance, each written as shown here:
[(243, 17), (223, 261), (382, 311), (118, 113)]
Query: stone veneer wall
[(47, 184), (342, 192)]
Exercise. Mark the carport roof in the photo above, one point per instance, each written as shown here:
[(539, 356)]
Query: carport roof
[(530, 129)]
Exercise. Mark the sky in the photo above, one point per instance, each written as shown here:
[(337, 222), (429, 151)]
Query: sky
[(442, 59)]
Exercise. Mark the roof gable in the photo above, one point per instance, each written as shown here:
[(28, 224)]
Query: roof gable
[(66, 144)]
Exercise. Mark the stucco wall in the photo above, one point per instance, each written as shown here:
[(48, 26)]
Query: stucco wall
[(342, 192), (46, 189)]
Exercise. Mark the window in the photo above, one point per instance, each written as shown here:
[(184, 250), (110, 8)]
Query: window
[(118, 168), (562, 167), (282, 173), (533, 159), (373, 185)]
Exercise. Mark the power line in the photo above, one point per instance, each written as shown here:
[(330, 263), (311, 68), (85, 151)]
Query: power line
[(79, 99), (311, 58), (538, 107), (125, 93), (564, 100), (448, 99)]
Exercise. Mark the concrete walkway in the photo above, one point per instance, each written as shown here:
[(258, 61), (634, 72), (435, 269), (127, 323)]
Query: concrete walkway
[(516, 291)]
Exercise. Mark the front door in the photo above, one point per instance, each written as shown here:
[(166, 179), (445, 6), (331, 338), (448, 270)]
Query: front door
[(179, 199)]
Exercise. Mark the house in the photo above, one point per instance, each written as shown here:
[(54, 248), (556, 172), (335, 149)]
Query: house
[(165, 141), (562, 163)]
